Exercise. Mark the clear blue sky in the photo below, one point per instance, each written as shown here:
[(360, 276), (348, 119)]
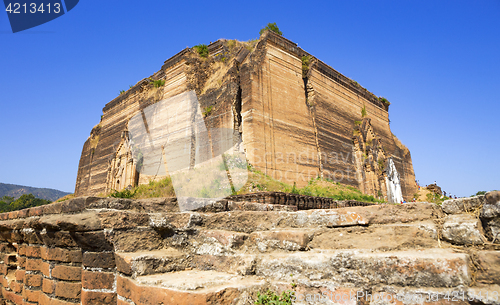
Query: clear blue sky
[(437, 62)]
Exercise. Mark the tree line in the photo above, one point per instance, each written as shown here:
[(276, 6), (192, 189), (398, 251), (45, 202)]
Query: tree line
[(8, 203)]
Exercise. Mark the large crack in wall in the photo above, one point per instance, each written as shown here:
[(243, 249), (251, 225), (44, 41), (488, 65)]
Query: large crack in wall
[(310, 95)]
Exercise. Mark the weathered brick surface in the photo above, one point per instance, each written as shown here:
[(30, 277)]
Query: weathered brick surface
[(67, 273), (33, 251), (68, 290), (33, 264), (97, 280), (21, 249), (98, 298), (3, 269), (13, 297), (99, 259), (21, 261), (122, 302), (123, 264), (48, 286), (17, 287), (46, 300), (31, 295), (61, 255), (34, 280), (45, 269)]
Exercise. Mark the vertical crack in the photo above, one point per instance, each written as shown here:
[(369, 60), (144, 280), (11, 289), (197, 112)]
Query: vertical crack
[(236, 107), (310, 95)]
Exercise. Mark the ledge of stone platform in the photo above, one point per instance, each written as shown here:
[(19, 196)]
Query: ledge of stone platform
[(77, 205)]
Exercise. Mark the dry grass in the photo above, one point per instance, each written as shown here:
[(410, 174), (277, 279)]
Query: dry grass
[(216, 79), (153, 189), (67, 197)]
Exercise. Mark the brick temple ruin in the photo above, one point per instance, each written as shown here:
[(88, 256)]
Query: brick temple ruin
[(297, 118), (268, 103)]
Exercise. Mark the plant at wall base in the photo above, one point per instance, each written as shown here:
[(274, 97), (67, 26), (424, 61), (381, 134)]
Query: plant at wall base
[(271, 298), (126, 193), (202, 50), (207, 110), (357, 122), (271, 27)]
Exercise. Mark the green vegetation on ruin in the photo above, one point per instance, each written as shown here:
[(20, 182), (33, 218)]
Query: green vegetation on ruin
[(479, 193), (202, 50), (306, 61), (384, 100), (435, 198), (363, 111), (207, 110), (271, 298), (257, 182), (320, 187), (158, 83), (154, 189), (271, 27)]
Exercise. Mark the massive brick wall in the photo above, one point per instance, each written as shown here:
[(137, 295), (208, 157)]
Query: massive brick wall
[(293, 128), (294, 136), (100, 148)]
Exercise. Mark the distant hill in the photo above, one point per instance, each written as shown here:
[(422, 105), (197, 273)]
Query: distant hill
[(16, 191)]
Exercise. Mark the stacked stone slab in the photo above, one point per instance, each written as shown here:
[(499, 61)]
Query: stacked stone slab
[(296, 120), (92, 250)]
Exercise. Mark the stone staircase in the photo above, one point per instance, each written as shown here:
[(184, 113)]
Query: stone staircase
[(145, 252)]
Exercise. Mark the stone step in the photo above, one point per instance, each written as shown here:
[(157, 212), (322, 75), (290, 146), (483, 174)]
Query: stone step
[(250, 221), (429, 268), (151, 262), (224, 242), (188, 287), (378, 237)]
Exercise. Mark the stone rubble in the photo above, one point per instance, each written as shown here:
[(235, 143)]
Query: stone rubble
[(92, 250)]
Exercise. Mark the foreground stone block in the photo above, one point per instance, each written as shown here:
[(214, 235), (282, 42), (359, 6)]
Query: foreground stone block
[(186, 288), (463, 229), (492, 197), (291, 240), (460, 205), (227, 238), (151, 262), (489, 267), (490, 214), (429, 268)]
